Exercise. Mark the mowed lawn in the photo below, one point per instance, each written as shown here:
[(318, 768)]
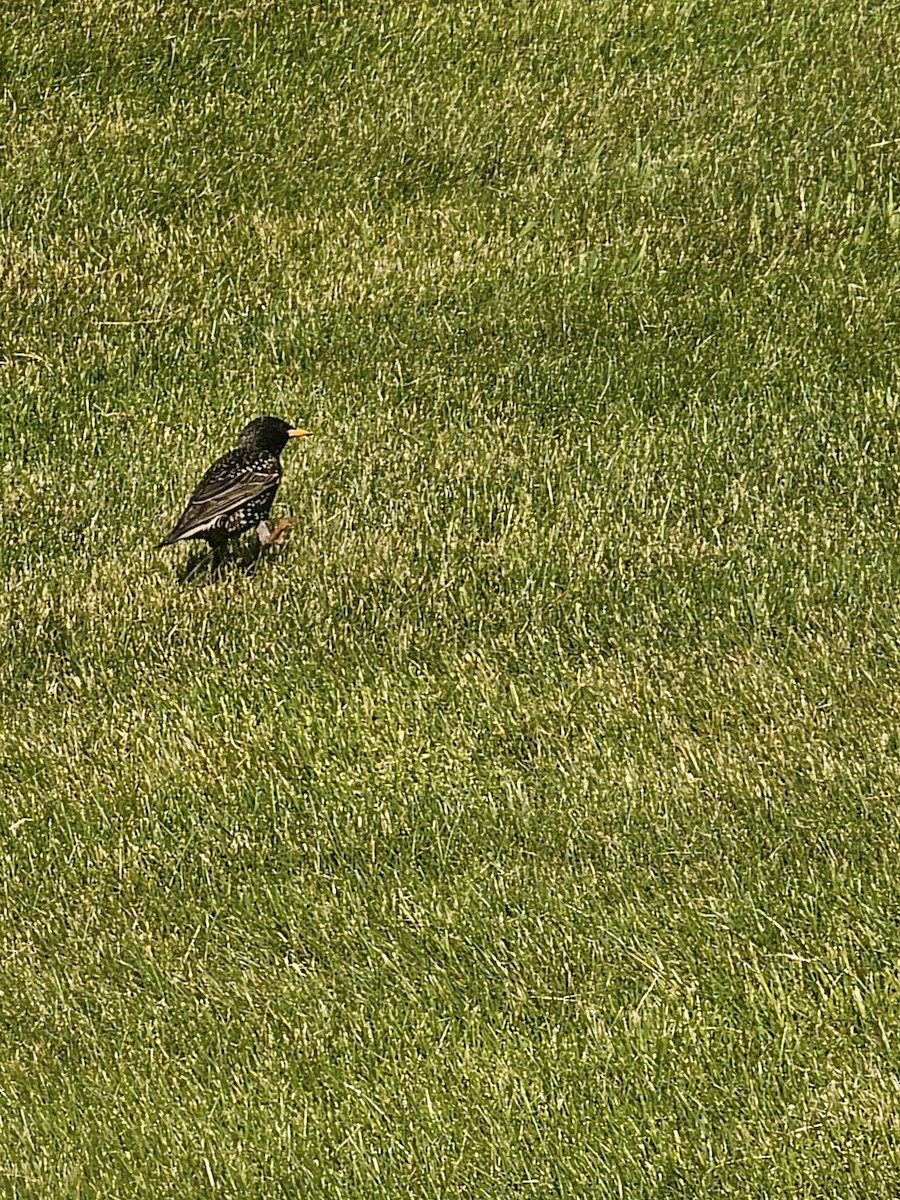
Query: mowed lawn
[(529, 826)]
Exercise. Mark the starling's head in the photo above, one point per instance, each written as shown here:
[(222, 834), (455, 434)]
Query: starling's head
[(268, 433)]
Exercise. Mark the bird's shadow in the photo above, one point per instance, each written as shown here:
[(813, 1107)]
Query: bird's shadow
[(241, 557)]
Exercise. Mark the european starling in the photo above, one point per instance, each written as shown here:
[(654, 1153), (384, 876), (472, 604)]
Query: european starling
[(237, 491)]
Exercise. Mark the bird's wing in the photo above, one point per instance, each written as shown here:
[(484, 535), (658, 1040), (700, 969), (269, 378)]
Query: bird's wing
[(230, 482)]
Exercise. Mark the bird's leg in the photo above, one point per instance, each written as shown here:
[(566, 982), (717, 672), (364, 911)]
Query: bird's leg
[(217, 545)]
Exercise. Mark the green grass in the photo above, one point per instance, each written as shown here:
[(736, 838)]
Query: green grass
[(531, 825)]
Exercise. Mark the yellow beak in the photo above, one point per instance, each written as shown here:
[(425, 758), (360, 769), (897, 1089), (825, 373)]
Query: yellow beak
[(298, 433)]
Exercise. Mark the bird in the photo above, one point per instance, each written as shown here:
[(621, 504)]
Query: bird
[(237, 491)]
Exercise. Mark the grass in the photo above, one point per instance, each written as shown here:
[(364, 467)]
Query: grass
[(529, 827)]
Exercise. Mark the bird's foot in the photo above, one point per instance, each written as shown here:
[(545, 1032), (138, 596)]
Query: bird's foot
[(277, 536), (283, 527)]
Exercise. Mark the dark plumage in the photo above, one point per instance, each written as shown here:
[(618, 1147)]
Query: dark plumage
[(237, 491)]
